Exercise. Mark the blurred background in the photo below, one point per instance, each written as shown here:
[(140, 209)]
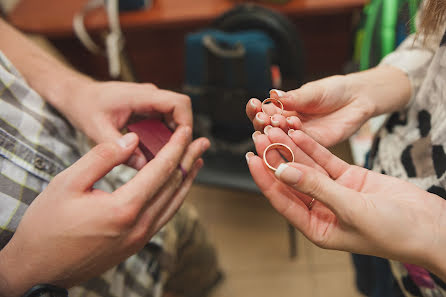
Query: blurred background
[(222, 53)]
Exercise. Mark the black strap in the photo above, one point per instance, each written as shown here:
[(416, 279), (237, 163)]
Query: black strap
[(46, 290)]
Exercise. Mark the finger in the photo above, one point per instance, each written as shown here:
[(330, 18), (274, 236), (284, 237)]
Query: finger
[(318, 186), (302, 99), (277, 135), (174, 204), (260, 121), (282, 198), (110, 133), (331, 164), (293, 122), (148, 181), (193, 153), (279, 121), (252, 108), (84, 173), (261, 142), (163, 101), (278, 94)]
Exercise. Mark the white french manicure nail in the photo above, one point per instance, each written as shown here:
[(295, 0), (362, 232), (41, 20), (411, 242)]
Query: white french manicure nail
[(252, 102), (254, 135), (267, 128), (248, 155), (278, 92), (274, 122), (290, 132), (259, 119), (280, 169)]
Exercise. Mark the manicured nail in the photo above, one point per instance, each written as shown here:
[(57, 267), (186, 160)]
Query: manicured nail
[(288, 174), (255, 134), (259, 119), (291, 131), (248, 156), (289, 121), (253, 103), (127, 140), (279, 93), (267, 128), (274, 121)]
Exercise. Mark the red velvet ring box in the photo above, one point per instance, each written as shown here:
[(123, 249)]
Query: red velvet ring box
[(153, 135)]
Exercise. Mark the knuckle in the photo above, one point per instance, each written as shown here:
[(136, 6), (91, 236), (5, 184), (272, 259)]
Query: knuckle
[(185, 100), (151, 86), (139, 236), (313, 186), (105, 152), (125, 217)]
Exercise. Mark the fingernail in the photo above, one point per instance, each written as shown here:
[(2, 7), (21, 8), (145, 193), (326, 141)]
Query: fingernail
[(289, 121), (137, 162), (255, 134), (259, 119), (253, 103), (274, 121), (267, 128), (288, 174), (127, 140), (290, 132), (248, 156), (172, 125), (279, 93)]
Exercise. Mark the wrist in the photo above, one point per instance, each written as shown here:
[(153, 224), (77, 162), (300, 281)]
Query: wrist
[(385, 88), (13, 280), (62, 94)]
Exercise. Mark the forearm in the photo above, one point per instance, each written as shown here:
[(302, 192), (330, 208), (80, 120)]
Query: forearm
[(47, 76), (15, 278), (387, 87)]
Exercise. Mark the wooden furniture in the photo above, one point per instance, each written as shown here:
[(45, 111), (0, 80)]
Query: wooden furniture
[(155, 37)]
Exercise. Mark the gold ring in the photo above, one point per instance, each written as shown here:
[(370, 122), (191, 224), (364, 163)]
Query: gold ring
[(311, 204), (276, 146), (272, 100)]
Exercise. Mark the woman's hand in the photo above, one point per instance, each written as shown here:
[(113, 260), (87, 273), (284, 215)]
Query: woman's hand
[(332, 109), (355, 210), (72, 232), (101, 109)]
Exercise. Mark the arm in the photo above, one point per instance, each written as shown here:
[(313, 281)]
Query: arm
[(332, 109), (68, 241), (47, 76), (355, 209), (99, 109)]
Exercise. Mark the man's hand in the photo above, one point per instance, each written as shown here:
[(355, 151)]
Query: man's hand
[(101, 109), (355, 209), (72, 232)]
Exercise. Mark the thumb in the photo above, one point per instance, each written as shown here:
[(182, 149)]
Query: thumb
[(94, 165), (316, 185), (320, 96), (110, 133), (305, 99)]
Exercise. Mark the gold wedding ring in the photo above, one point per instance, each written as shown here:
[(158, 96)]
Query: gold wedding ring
[(273, 101), (311, 204), (276, 146)]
